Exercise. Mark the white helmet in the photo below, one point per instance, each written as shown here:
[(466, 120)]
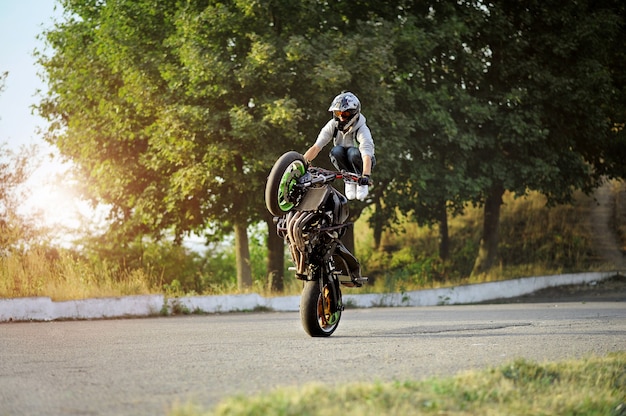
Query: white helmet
[(346, 108)]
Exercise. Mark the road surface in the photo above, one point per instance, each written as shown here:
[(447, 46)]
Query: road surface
[(144, 366)]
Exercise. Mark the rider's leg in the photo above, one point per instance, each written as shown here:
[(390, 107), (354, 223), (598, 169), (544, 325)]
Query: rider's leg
[(354, 159), (339, 158), (354, 155), (348, 159)]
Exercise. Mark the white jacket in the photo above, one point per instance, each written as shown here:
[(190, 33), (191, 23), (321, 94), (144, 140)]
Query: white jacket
[(359, 129)]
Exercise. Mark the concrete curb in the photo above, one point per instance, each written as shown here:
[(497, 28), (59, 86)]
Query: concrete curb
[(44, 309)]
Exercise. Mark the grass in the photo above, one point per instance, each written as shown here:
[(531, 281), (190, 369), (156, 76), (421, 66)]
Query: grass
[(34, 273), (585, 387), (534, 241), (63, 276), (619, 213)]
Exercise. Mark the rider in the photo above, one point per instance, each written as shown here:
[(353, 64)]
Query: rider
[(353, 149)]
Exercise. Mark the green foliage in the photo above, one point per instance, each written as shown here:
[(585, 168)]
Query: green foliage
[(522, 372), (162, 268), (535, 240), (186, 96), (564, 246), (173, 112), (64, 275), (590, 386), (17, 229), (421, 272), (499, 98)]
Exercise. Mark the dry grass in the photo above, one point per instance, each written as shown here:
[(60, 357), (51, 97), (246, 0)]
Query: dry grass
[(591, 386), (535, 241), (63, 277), (619, 212)]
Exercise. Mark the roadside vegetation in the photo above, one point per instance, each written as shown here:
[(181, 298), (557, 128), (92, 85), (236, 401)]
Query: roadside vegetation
[(586, 387), (535, 241), (171, 113)]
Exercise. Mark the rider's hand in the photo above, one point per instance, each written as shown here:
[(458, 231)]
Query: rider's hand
[(364, 180)]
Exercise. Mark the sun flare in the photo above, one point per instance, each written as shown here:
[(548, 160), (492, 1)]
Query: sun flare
[(55, 206)]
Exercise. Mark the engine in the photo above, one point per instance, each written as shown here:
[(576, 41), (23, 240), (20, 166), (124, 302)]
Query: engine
[(314, 228)]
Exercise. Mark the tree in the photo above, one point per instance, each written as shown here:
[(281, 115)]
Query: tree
[(550, 85), (174, 112), (164, 107), (615, 58), (505, 96), (533, 89), (435, 68), (133, 137), (15, 170)]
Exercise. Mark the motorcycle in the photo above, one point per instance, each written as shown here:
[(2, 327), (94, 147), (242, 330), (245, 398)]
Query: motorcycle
[(311, 215)]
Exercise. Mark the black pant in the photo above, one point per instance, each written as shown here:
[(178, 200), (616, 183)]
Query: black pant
[(348, 159)]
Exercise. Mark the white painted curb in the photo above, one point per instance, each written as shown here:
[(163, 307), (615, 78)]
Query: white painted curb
[(44, 309)]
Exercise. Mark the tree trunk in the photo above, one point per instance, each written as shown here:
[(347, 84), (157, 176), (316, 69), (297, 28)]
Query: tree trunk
[(378, 224), (242, 253), (275, 257), (444, 236), (488, 251)]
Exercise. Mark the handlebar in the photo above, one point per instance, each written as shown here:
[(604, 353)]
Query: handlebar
[(324, 175), (316, 176)]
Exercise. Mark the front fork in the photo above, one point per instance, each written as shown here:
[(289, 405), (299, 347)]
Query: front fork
[(330, 293)]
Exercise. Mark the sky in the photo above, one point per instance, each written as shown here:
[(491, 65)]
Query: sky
[(20, 23), (51, 195)]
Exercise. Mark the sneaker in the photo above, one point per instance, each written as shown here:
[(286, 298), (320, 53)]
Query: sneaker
[(350, 190), (361, 192)]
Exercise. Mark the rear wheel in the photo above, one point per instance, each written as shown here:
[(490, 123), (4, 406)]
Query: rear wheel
[(280, 192), (319, 311)]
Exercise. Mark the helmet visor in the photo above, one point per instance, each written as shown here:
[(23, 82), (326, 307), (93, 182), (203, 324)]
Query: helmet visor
[(344, 114)]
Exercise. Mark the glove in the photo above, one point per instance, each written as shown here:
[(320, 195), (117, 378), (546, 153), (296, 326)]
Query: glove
[(364, 180)]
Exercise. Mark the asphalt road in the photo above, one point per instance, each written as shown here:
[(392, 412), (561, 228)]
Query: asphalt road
[(144, 366)]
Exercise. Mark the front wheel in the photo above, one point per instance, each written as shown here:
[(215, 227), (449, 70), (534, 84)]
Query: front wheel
[(320, 309), (281, 195)]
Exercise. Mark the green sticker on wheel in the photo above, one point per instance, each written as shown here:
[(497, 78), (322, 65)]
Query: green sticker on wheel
[(287, 182)]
